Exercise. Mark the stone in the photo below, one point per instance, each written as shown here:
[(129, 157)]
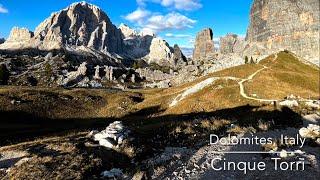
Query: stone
[(312, 131), (114, 173), (75, 76), (112, 136), (288, 24), (97, 72), (289, 103), (133, 78), (204, 45), (109, 73), (48, 56)]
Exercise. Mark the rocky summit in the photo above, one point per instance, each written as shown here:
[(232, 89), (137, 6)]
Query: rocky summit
[(204, 45), (81, 24), (288, 24)]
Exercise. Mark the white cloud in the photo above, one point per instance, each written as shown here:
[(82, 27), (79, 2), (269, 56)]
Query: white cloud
[(3, 9), (157, 22), (187, 5), (169, 21), (170, 35), (138, 15)]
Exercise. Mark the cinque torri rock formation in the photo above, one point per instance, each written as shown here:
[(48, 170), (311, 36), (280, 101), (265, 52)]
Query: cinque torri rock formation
[(81, 24), (286, 24), (204, 46)]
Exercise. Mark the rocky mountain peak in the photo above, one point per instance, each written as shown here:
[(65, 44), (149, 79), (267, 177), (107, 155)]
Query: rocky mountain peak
[(127, 32), (80, 24)]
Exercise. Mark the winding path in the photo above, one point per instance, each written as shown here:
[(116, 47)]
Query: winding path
[(211, 80), (241, 86)]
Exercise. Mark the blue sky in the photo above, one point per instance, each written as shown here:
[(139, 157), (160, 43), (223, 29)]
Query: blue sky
[(177, 21)]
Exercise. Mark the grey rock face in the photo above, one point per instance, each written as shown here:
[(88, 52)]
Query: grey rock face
[(178, 57), (136, 45), (204, 45), (231, 43), (80, 24), (286, 24)]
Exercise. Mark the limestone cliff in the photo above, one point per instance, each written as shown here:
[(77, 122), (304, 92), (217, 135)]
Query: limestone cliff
[(231, 43), (286, 24), (204, 45)]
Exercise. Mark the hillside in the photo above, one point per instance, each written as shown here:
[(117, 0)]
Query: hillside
[(58, 120)]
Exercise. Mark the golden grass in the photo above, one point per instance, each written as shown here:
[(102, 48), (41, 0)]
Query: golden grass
[(287, 75)]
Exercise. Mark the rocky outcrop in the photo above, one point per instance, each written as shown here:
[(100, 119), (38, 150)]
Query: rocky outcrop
[(80, 24), (204, 46), (20, 35), (19, 38), (231, 43), (178, 58), (160, 52), (286, 24), (75, 77)]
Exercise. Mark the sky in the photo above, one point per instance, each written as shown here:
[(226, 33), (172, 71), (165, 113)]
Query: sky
[(176, 21)]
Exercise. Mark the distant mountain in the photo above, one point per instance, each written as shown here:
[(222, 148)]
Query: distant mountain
[(86, 28), (81, 24)]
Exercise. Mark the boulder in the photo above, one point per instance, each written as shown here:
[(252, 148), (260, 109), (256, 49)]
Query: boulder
[(112, 136), (75, 77)]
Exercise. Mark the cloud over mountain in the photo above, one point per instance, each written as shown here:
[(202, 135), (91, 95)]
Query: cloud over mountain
[(159, 22)]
